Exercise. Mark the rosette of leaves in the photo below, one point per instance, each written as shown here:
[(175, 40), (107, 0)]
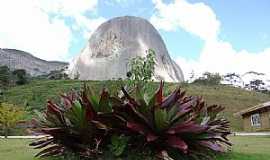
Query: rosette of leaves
[(77, 125), (176, 126)]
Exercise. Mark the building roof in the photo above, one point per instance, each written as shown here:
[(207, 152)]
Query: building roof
[(252, 109)]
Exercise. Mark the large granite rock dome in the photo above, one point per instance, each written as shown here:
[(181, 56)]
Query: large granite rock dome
[(114, 43)]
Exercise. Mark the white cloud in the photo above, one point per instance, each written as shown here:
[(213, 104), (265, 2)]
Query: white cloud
[(88, 26), (198, 18), (68, 7), (122, 3), (216, 55), (75, 9), (40, 27), (25, 27)]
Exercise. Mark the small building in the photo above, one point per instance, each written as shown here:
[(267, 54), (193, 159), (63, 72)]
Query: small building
[(256, 118)]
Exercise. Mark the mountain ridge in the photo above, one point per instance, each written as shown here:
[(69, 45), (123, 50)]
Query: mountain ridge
[(18, 59)]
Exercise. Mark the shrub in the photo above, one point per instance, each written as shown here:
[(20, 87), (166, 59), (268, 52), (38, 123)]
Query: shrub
[(175, 124)]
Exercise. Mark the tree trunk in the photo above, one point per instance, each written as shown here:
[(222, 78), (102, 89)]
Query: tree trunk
[(6, 131)]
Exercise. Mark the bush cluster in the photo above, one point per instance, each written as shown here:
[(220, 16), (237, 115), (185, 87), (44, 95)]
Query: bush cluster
[(156, 127)]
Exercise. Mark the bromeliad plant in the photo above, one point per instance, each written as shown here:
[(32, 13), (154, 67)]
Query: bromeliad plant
[(74, 126), (174, 124)]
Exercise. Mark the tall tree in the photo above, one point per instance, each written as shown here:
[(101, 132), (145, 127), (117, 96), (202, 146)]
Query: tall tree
[(4, 76), (10, 115), (142, 69), (21, 77)]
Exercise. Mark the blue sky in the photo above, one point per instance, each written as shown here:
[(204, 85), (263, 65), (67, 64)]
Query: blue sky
[(203, 35), (245, 24)]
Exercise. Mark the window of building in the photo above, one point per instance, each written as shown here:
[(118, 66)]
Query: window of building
[(255, 119)]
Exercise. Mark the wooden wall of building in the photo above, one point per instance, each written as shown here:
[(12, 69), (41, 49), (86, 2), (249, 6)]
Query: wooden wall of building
[(265, 122)]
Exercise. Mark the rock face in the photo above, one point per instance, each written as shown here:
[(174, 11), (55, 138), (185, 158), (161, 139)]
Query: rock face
[(114, 43), (16, 59)]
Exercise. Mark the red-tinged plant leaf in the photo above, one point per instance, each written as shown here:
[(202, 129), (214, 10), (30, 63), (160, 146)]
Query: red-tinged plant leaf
[(116, 102), (137, 128), (54, 153), (200, 104), (178, 143), (100, 125), (163, 155), (44, 144), (90, 112), (150, 137), (159, 94), (190, 127), (217, 139), (52, 131), (182, 110), (142, 117), (170, 100), (54, 109), (39, 141), (212, 145), (48, 150), (131, 100), (67, 101)]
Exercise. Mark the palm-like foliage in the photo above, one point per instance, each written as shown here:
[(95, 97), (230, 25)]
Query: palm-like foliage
[(177, 122), (76, 125)]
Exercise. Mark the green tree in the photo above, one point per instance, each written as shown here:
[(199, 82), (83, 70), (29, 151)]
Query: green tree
[(208, 79), (20, 76), (4, 76), (10, 115), (142, 69)]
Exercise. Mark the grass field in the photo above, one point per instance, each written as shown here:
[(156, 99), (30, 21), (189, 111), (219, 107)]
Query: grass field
[(245, 148), (249, 148), (36, 94)]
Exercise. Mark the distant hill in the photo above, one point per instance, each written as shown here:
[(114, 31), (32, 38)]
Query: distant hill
[(16, 59), (234, 99)]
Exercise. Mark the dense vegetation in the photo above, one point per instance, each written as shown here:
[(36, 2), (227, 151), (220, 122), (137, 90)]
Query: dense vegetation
[(154, 126)]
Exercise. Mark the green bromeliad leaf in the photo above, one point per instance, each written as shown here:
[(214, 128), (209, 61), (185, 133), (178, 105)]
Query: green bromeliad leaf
[(118, 144), (104, 103), (161, 119)]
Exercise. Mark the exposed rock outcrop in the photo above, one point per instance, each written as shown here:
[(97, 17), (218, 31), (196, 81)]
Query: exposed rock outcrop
[(114, 43), (16, 59)]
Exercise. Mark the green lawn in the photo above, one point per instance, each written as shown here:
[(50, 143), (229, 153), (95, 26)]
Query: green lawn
[(14, 149), (245, 148), (249, 148)]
